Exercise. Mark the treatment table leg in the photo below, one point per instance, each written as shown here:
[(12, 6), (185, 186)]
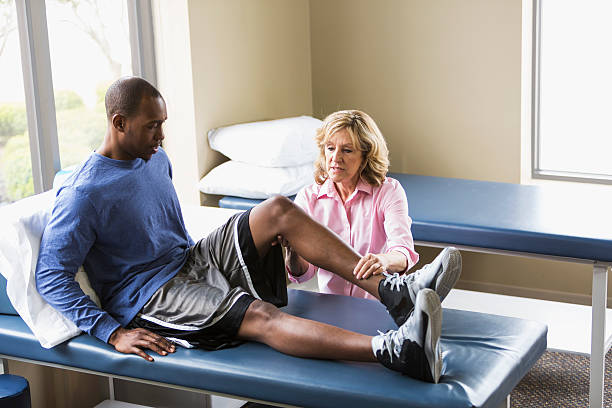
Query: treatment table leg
[(506, 403), (598, 335), (111, 388)]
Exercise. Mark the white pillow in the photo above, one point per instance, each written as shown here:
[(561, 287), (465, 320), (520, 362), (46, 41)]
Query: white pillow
[(273, 143), (250, 181), (22, 224)]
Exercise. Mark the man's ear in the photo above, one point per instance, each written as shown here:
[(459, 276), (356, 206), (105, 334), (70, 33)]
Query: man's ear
[(118, 121)]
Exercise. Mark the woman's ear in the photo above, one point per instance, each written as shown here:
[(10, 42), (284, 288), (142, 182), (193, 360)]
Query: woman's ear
[(364, 163)]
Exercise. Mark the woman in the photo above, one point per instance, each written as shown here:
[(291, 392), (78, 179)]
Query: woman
[(355, 199)]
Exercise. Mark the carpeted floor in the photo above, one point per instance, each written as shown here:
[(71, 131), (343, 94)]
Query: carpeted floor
[(559, 380)]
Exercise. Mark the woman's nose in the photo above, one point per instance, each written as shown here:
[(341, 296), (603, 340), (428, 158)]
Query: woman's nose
[(336, 156)]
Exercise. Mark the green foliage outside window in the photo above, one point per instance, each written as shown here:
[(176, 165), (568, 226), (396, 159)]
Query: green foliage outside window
[(13, 120), (80, 130), (66, 99), (17, 167)]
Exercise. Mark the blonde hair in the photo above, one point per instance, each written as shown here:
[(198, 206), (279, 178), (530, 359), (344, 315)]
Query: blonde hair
[(365, 136)]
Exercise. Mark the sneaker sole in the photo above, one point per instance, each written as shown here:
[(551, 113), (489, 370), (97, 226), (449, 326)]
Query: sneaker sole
[(451, 270), (429, 303)]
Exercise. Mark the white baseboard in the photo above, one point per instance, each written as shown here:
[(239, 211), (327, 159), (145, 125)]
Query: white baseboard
[(521, 291), (118, 404)]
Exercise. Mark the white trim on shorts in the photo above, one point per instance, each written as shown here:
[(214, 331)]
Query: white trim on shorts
[(190, 328), (244, 267), (181, 342), (169, 325)]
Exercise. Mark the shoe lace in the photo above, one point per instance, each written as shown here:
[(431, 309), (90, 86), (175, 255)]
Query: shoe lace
[(397, 281), (389, 342), (392, 340)]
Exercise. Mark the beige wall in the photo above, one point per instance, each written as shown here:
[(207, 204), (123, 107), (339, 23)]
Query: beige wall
[(443, 81), (225, 62), (441, 78)]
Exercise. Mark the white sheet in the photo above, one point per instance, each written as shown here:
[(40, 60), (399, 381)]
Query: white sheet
[(250, 181), (22, 224), (201, 221)]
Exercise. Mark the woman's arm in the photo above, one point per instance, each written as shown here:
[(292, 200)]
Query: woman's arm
[(400, 255)]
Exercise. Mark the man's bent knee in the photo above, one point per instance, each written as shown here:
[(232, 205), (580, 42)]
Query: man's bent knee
[(279, 211), (279, 205), (257, 320)]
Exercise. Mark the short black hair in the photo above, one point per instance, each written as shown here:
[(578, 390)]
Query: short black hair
[(124, 96)]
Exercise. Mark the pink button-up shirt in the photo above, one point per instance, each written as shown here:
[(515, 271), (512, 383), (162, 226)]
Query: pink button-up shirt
[(373, 219)]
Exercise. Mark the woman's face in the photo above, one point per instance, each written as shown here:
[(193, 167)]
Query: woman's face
[(342, 158)]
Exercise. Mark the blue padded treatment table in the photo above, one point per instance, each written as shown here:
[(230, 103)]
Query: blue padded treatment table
[(485, 357), (241, 203), (504, 216), (5, 304), (238, 203)]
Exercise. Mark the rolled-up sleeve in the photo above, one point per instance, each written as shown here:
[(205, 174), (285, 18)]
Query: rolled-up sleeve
[(397, 224), (302, 202), (308, 275)]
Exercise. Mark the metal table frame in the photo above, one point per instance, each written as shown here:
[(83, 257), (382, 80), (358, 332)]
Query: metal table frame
[(599, 343)]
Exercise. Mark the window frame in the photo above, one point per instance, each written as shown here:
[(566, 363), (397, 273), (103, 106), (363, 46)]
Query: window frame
[(38, 78), (537, 172)]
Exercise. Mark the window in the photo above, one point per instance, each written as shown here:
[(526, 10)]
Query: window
[(572, 137), (57, 58), (15, 164), (89, 45)]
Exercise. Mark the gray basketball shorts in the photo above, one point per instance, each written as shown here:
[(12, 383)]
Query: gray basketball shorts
[(205, 303)]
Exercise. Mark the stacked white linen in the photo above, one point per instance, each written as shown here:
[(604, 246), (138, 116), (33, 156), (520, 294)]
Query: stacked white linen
[(266, 158)]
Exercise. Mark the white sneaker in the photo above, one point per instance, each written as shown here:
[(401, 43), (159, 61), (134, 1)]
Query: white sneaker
[(414, 348), (398, 292)]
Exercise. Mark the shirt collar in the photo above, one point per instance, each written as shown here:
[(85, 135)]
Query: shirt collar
[(363, 186), (328, 189)]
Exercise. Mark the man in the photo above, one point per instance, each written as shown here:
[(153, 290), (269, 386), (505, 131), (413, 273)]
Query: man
[(119, 216)]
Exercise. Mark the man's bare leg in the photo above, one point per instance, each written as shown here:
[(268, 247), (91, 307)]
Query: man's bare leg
[(299, 337), (321, 247), (314, 242), (412, 349)]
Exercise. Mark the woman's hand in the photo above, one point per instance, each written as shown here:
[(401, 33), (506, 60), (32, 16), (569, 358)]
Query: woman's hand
[(370, 264), (376, 264)]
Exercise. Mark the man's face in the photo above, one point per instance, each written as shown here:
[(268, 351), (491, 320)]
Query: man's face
[(142, 133)]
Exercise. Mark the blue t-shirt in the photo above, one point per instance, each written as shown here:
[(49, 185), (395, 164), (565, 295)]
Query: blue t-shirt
[(122, 221)]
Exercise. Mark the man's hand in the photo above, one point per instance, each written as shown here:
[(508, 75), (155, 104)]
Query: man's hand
[(297, 265), (280, 240), (135, 340)]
